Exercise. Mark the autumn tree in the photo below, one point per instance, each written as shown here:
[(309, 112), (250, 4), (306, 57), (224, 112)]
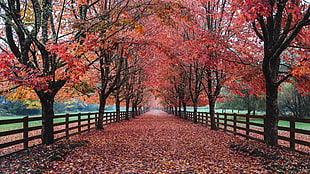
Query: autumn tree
[(182, 90), (203, 41), (36, 52), (280, 25), (137, 61), (106, 24), (138, 92), (133, 66)]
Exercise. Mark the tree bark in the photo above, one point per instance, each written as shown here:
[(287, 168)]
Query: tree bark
[(47, 103), (118, 108), (180, 109), (184, 110), (101, 111), (195, 112), (212, 114), (272, 115), (127, 108), (133, 109)]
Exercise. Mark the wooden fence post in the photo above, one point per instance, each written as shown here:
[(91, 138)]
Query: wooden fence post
[(79, 122), (25, 133), (235, 123), (198, 117), (207, 117), (67, 125), (96, 120), (105, 115), (203, 117), (218, 120), (88, 120), (247, 126), (225, 121), (292, 133)]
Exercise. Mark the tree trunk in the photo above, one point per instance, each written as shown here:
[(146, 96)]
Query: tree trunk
[(271, 72), (272, 114), (180, 109), (133, 109), (212, 114), (118, 108), (102, 104), (184, 110), (47, 104), (175, 111), (195, 112), (127, 108)]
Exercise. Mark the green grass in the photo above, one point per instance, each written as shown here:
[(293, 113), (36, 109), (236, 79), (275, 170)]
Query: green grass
[(298, 125), (14, 126)]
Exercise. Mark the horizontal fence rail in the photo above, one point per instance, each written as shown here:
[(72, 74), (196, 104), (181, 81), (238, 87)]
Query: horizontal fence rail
[(19, 134), (294, 133)]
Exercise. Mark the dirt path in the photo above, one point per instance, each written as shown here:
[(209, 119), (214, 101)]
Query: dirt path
[(157, 143)]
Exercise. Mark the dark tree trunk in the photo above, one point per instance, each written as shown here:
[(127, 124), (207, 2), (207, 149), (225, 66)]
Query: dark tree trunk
[(184, 110), (118, 108), (271, 67), (133, 109), (102, 104), (212, 114), (47, 104), (272, 115), (180, 109), (175, 111), (195, 112), (127, 108)]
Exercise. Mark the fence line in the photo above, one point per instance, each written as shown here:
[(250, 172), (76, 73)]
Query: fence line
[(252, 127), (29, 132)]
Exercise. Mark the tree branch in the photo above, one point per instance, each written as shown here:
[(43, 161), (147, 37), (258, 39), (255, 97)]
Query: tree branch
[(8, 90), (257, 32)]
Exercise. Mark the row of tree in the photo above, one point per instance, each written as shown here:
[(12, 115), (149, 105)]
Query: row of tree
[(247, 47), (178, 53), (55, 50)]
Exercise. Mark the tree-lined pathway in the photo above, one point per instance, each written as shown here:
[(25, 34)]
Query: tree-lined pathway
[(157, 142)]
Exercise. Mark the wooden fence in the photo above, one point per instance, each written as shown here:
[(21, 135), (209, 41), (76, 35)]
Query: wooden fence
[(294, 133), (19, 134)]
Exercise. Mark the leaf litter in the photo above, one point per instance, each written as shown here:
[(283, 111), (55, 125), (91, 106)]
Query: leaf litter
[(156, 142)]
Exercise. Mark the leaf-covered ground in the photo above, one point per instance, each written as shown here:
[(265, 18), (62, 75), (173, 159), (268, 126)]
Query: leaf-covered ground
[(156, 143)]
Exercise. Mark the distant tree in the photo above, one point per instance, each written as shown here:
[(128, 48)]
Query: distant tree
[(250, 103), (21, 108), (292, 102)]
